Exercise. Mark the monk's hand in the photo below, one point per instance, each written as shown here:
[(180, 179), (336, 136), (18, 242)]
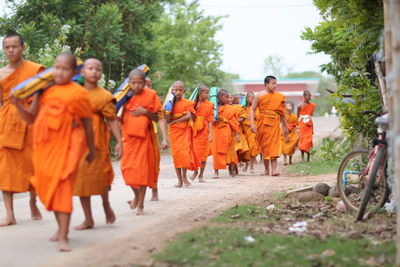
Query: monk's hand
[(286, 138), (164, 144), (90, 157), (237, 137), (138, 111), (118, 150), (210, 138), (253, 128)]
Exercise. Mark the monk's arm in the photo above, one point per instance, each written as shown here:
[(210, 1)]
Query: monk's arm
[(184, 118), (162, 123), (88, 127), (142, 111), (28, 114), (116, 132), (252, 113), (210, 131), (298, 110)]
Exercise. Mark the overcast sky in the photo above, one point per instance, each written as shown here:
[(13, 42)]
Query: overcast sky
[(255, 29)]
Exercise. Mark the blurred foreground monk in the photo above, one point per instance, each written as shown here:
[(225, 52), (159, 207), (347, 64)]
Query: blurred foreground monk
[(140, 165), (63, 118), (249, 134), (95, 178), (272, 114), (305, 112), (202, 134), (288, 148), (16, 165), (225, 135), (180, 134)]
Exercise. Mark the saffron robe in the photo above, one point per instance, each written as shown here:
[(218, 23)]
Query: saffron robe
[(271, 106), (95, 176), (180, 136), (306, 127), (223, 143), (289, 148), (201, 131), (16, 165), (139, 164), (59, 144), (250, 136), (241, 147)]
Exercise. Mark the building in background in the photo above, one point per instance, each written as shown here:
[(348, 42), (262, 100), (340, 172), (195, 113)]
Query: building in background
[(292, 88)]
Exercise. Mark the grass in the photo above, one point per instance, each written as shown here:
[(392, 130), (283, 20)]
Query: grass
[(316, 166), (245, 213), (229, 246)]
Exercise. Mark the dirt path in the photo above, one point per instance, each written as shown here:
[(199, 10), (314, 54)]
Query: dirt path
[(132, 239)]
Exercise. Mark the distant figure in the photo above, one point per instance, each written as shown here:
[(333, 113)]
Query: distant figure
[(288, 148), (305, 112)]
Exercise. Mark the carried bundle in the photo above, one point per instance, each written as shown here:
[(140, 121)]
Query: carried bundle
[(169, 101), (243, 99), (214, 100)]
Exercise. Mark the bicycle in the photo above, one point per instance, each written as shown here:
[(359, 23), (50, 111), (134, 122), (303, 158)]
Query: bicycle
[(361, 176)]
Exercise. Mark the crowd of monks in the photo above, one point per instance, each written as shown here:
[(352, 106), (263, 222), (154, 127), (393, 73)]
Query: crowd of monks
[(55, 144)]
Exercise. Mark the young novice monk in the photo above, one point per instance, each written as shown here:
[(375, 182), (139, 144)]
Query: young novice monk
[(272, 114), (242, 147), (95, 178), (139, 164), (180, 134), (202, 133), (305, 111), (63, 118), (288, 148), (250, 136), (16, 165), (225, 134)]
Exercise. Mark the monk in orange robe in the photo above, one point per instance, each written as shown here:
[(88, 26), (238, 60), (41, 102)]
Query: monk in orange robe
[(225, 135), (63, 119), (140, 163), (202, 134), (305, 112), (163, 126), (16, 165), (244, 118), (180, 134), (272, 114), (242, 147), (288, 148), (95, 178)]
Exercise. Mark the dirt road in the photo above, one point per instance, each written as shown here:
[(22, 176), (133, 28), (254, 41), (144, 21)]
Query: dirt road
[(132, 238)]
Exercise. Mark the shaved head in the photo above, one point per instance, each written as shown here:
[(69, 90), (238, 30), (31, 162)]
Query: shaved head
[(92, 61), (137, 73), (202, 88), (69, 56), (178, 83), (306, 92)]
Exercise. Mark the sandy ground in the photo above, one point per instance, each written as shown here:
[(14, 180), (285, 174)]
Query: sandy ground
[(132, 239)]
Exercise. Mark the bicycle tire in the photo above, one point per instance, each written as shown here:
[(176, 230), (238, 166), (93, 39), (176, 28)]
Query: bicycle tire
[(372, 176), (342, 168)]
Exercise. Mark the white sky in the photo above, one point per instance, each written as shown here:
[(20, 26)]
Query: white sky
[(255, 29)]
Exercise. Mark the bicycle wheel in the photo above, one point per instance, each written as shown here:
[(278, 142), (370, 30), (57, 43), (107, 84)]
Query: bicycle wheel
[(376, 191), (351, 179)]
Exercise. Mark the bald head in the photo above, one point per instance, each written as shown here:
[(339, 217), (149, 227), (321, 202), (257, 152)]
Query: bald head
[(137, 73), (93, 61), (178, 84), (306, 92), (69, 57)]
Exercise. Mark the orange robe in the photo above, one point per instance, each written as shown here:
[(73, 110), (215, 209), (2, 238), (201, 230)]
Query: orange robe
[(59, 144), (139, 164), (95, 176), (306, 127), (201, 132), (289, 148), (242, 147), (180, 136), (223, 143), (271, 106), (16, 165), (250, 136)]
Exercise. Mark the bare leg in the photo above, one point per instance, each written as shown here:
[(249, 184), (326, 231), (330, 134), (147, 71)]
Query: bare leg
[(110, 215), (246, 166), (54, 238), (142, 194), (8, 203), (88, 223), (308, 156), (302, 156), (35, 213), (154, 194), (184, 179), (179, 174), (232, 169), (194, 175), (63, 226), (201, 175), (252, 161), (273, 167), (290, 160), (216, 174), (266, 167), (285, 160), (133, 204), (235, 168)]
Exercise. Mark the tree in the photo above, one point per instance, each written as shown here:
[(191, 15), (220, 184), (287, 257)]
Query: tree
[(275, 65)]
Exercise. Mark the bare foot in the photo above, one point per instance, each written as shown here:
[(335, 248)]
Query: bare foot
[(35, 213), (186, 182), (154, 197), (201, 180), (54, 238), (178, 185), (132, 204), (251, 170), (266, 173), (139, 212), (216, 176), (85, 225), (8, 221), (110, 215), (63, 246), (285, 164), (244, 169), (275, 173), (193, 177)]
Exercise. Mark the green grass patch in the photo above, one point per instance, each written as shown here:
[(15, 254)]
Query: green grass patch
[(245, 213), (316, 166), (226, 246)]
